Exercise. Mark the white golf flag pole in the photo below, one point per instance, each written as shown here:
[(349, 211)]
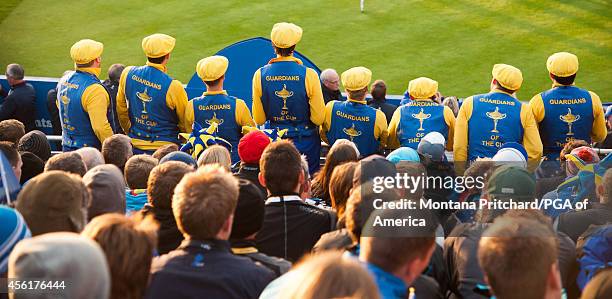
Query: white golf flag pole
[(361, 4)]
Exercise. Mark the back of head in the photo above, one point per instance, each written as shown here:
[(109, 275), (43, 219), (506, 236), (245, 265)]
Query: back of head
[(411, 170), (114, 72), (10, 152), (15, 71), (340, 185), (11, 130), (179, 157), (31, 167), (379, 90), (164, 150), (216, 154), (68, 162), (517, 255), (91, 156), (508, 183), (137, 170), (251, 146), (606, 197), (281, 168), (338, 154), (35, 142), (371, 167), (329, 275), (162, 181), (107, 188), (452, 103), (68, 257), (117, 149), (54, 201), (250, 210), (204, 201), (128, 244)]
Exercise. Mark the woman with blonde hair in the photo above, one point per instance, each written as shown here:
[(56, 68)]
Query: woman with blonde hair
[(216, 154)]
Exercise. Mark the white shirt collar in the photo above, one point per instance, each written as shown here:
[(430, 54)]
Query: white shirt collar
[(286, 198)]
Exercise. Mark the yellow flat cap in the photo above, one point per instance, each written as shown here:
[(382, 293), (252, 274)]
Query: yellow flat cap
[(212, 68), (158, 44), (86, 50), (508, 76), (356, 78), (562, 64), (285, 35), (422, 88)]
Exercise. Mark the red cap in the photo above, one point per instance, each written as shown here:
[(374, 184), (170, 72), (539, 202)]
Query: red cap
[(251, 146)]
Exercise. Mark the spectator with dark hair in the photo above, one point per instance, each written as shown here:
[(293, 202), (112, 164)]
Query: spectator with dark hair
[(31, 166), (117, 149), (112, 86), (54, 201), (160, 189), (283, 234), (378, 90), (107, 188), (35, 142), (161, 152), (179, 157), (12, 155), (203, 266), (520, 245), (13, 230), (250, 148), (340, 185), (337, 155), (248, 220), (76, 261), (20, 101), (11, 130), (68, 162), (56, 124), (128, 244), (91, 156), (136, 173), (330, 85)]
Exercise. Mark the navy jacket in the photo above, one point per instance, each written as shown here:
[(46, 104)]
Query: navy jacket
[(20, 104)]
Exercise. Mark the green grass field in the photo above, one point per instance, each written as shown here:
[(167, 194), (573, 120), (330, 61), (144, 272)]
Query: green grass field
[(455, 42)]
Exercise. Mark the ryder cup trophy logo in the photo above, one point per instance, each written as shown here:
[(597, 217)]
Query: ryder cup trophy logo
[(496, 116), (215, 120), (421, 116), (145, 98), (284, 94), (351, 132), (569, 119)]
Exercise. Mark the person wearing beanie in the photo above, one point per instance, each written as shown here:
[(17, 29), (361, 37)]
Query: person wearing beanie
[(421, 116), (31, 166), (107, 188), (54, 201), (216, 106), (62, 257), (35, 142), (180, 157), (250, 148), (432, 146), (248, 220), (82, 100), (287, 95), (486, 121), (566, 112), (371, 167), (404, 154), (353, 119), (13, 230), (156, 102)]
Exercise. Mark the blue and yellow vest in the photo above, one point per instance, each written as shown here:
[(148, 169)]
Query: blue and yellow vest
[(76, 125), (355, 122), (568, 115), (496, 119), (284, 98), (418, 118), (145, 89), (220, 109)]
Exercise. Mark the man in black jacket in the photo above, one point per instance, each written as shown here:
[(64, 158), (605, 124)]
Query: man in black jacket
[(330, 85), (291, 226), (20, 102), (112, 86), (379, 99), (203, 266)]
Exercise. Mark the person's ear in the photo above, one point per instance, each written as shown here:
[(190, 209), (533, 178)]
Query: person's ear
[(553, 281), (600, 190), (262, 179)]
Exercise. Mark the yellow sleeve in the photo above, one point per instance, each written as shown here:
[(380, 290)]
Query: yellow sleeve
[(329, 108), (315, 96), (536, 105), (176, 100), (95, 101), (243, 115), (189, 117), (122, 108), (257, 107), (460, 143), (531, 135), (599, 131), (449, 118), (380, 128), (393, 141)]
